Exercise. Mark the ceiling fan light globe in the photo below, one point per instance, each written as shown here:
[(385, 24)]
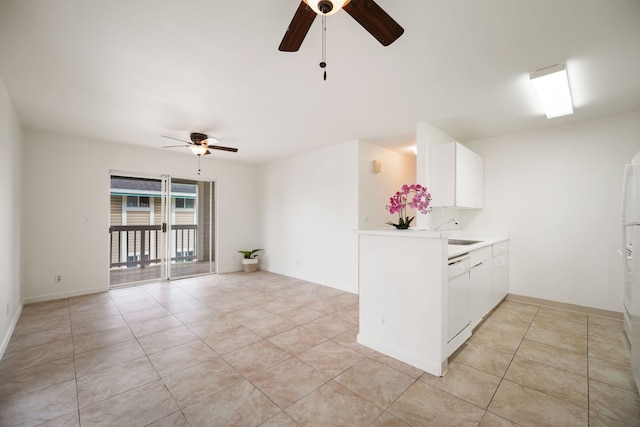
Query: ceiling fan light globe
[(319, 6), (198, 149)]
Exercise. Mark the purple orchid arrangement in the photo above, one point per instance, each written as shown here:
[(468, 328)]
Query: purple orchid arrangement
[(414, 196)]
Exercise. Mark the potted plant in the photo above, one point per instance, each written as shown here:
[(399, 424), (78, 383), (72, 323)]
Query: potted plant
[(250, 261), (403, 199)]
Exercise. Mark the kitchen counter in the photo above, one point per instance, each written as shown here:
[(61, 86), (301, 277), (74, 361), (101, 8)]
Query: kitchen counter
[(485, 238), (403, 287)]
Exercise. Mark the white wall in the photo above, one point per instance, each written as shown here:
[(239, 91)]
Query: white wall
[(10, 216), (558, 193), (556, 190), (309, 211), (66, 208), (375, 189)]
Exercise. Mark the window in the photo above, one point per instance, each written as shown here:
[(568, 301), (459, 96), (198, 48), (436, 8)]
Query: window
[(182, 203), (137, 202)]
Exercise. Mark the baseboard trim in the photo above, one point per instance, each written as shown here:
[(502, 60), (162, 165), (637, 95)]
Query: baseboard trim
[(565, 306), (9, 332), (61, 295)]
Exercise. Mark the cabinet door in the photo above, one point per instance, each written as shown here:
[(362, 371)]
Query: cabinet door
[(481, 291), (457, 176), (463, 174), (458, 302), (500, 277), (443, 175), (476, 180), (475, 294)]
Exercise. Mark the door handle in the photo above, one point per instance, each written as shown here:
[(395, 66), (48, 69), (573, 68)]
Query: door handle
[(164, 227)]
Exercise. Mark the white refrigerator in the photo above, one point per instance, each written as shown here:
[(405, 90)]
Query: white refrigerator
[(631, 260)]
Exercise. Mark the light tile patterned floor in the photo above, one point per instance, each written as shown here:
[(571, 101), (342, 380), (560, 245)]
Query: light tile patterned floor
[(263, 349)]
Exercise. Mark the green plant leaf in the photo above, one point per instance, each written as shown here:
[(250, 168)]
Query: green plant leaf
[(250, 254), (254, 254)]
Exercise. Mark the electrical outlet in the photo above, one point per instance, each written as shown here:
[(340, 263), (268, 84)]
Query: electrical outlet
[(57, 278)]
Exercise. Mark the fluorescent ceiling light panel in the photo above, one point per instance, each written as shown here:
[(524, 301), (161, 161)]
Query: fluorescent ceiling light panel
[(552, 87)]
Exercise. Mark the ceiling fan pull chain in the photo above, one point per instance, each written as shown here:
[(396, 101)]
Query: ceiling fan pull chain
[(199, 164), (323, 64)]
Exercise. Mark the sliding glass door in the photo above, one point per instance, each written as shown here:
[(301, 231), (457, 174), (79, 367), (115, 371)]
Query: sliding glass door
[(160, 228), (191, 228)]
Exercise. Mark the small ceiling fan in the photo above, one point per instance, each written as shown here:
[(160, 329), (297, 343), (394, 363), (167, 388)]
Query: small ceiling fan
[(199, 144), (366, 12)]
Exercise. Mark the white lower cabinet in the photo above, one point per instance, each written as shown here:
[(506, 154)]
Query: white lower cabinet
[(489, 279), (481, 286), (500, 271)]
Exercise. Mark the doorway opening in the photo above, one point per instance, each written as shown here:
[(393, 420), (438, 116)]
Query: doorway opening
[(160, 229)]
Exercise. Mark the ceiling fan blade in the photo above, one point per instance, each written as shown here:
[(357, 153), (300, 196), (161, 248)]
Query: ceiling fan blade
[(177, 139), (298, 28), (375, 20), (220, 147), (176, 146)]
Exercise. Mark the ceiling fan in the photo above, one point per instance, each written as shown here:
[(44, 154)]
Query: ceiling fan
[(199, 144), (366, 12)]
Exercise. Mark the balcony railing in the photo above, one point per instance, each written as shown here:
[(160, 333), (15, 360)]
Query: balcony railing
[(140, 245)]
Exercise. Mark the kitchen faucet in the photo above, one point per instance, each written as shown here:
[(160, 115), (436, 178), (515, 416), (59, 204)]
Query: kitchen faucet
[(452, 220)]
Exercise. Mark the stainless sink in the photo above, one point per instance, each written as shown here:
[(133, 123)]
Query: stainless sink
[(463, 242)]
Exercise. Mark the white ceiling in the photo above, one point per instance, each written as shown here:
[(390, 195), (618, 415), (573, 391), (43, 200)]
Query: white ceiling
[(132, 70)]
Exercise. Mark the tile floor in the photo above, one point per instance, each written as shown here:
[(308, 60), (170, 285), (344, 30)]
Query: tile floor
[(263, 349)]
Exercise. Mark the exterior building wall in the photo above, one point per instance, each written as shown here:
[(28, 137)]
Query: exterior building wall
[(115, 217), (157, 210)]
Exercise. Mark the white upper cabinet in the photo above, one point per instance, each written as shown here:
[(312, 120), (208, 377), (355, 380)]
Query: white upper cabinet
[(457, 177)]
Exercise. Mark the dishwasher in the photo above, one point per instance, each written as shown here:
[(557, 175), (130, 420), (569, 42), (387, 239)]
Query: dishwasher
[(459, 298)]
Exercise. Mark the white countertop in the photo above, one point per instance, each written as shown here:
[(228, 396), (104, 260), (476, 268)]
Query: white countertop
[(484, 237), (411, 232)]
